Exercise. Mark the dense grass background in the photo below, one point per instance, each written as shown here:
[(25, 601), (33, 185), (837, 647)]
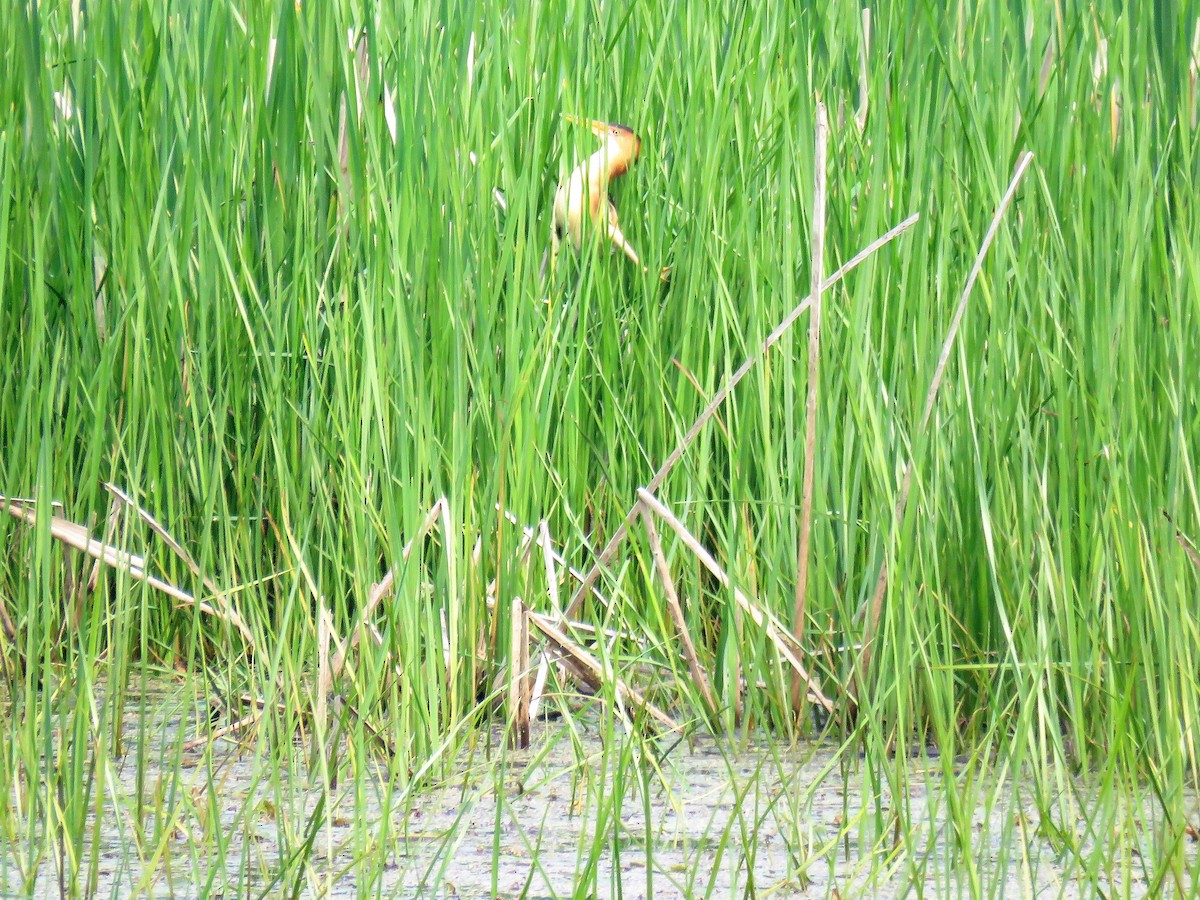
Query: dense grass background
[(287, 359)]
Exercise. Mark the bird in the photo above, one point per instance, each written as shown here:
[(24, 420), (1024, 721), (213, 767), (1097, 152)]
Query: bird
[(585, 191)]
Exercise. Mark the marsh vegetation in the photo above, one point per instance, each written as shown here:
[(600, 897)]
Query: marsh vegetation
[(336, 472)]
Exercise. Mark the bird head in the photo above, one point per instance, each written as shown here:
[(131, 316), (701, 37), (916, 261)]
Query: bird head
[(622, 143)]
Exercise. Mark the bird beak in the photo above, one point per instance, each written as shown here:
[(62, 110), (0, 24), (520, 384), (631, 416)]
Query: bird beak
[(598, 128)]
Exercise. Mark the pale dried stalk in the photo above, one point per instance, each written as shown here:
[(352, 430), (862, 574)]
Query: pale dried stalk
[(660, 476), (362, 72), (110, 533), (803, 551), (551, 571), (524, 549), (450, 624), (518, 675), (244, 722), (219, 596), (539, 685), (56, 507), (384, 586), (550, 558), (324, 672), (76, 536), (447, 652), (947, 346), (592, 672), (1194, 72), (162, 532), (547, 546), (1188, 549), (6, 622), (99, 280), (864, 94), (676, 610), (775, 633)]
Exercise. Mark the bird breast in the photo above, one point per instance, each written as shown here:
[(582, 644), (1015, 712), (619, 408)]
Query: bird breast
[(583, 190)]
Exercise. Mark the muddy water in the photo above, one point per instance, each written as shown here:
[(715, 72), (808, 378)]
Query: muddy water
[(705, 819)]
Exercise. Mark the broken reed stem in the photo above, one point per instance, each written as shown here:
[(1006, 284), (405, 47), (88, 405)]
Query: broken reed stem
[(219, 596), (676, 611), (245, 721), (384, 586), (660, 476), (931, 397), (592, 672), (110, 534), (324, 674), (549, 557), (774, 631), (947, 346), (548, 547), (518, 675), (539, 685), (74, 535), (803, 551), (158, 529)]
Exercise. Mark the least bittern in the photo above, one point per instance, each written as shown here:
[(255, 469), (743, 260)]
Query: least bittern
[(586, 190)]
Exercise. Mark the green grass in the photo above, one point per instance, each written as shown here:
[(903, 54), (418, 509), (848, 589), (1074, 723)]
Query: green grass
[(287, 363)]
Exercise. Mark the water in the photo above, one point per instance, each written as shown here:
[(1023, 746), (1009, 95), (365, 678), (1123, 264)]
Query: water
[(618, 818)]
